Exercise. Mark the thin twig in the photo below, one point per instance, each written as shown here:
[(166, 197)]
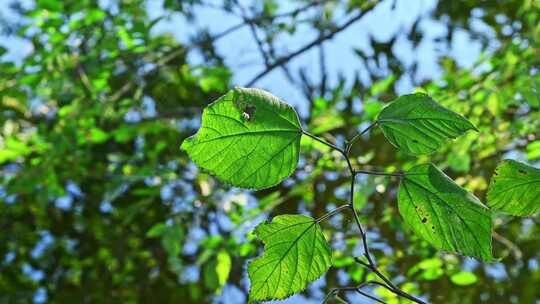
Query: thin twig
[(248, 21), (357, 136), (357, 220), (369, 296), (399, 174), (270, 55), (254, 34), (358, 289), (370, 260), (509, 244), (388, 284), (322, 66), (333, 212), (315, 42), (341, 151), (322, 141)]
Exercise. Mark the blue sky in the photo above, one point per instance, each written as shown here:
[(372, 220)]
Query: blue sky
[(241, 53)]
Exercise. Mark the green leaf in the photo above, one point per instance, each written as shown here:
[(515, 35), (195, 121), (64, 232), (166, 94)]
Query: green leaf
[(533, 150), (382, 85), (248, 138), (416, 124), (296, 253), (157, 230), (444, 214), (464, 278), (223, 266), (515, 188), (98, 136), (428, 269), (216, 271), (171, 240)]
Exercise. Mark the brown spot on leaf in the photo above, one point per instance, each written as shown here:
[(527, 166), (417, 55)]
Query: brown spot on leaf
[(522, 172), (424, 220)]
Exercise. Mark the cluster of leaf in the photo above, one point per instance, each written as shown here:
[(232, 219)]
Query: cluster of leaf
[(94, 198), (250, 139)]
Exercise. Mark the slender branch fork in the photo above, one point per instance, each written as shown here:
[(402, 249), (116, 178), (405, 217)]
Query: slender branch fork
[(370, 264), (326, 36)]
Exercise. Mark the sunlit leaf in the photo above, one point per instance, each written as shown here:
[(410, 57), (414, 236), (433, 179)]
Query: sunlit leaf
[(464, 278), (223, 266), (428, 269), (515, 189), (382, 85), (444, 214), (295, 254), (248, 138), (217, 270), (416, 124), (533, 150), (97, 135)]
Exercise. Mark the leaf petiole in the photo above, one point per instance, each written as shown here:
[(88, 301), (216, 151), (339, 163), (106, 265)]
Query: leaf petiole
[(331, 213), (357, 136)]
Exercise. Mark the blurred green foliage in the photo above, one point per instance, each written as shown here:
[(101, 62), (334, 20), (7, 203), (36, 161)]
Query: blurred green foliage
[(99, 205)]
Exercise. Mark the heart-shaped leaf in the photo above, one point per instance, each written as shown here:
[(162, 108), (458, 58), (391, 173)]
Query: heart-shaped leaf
[(248, 138)]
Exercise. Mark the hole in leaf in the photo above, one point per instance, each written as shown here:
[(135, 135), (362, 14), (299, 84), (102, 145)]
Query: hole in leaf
[(248, 112)]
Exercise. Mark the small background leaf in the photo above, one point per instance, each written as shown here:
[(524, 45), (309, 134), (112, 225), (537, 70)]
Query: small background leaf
[(464, 278)]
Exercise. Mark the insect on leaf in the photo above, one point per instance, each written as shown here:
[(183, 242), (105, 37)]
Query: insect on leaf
[(416, 124), (248, 138), (515, 189), (444, 214), (295, 254)]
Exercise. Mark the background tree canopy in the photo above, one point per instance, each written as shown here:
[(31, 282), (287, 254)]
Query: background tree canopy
[(99, 205)]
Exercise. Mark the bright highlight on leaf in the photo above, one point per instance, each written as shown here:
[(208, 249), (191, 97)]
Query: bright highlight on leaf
[(444, 214), (416, 124), (515, 189), (295, 254), (464, 278), (248, 138)]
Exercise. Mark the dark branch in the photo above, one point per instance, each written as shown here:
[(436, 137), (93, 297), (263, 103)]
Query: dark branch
[(350, 143), (370, 264), (282, 60)]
